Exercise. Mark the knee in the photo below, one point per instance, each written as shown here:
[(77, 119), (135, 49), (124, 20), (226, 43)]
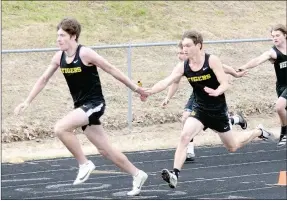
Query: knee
[(103, 152), (59, 129), (185, 138), (280, 106)]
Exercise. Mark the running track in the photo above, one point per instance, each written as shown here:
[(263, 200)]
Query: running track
[(250, 173)]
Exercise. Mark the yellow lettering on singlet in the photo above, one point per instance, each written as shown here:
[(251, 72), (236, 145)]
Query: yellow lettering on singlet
[(71, 70), (199, 78)]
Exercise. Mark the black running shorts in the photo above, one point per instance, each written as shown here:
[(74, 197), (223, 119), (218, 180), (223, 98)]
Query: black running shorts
[(189, 104), (94, 112), (281, 91), (216, 121)]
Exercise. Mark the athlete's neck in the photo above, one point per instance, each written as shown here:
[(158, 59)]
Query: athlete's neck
[(197, 58), (71, 51), (282, 47)]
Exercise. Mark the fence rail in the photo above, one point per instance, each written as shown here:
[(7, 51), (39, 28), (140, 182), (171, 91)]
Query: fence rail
[(129, 53), (136, 45)]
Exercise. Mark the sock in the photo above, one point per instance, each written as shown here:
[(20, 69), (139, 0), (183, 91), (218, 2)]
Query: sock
[(137, 173), (176, 172), (283, 130), (236, 120), (191, 140), (81, 165), (190, 148), (231, 120)]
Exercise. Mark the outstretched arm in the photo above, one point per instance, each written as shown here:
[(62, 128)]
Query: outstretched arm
[(41, 83), (163, 84), (90, 56), (231, 71), (171, 90), (268, 55)]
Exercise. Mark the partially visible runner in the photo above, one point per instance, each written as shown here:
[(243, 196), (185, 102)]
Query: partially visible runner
[(277, 55), (236, 119), (79, 66), (205, 74)]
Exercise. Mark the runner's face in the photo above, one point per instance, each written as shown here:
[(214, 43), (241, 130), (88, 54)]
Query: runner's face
[(278, 37), (189, 48), (64, 40), (180, 54)]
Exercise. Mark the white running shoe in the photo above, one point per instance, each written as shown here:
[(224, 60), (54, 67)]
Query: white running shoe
[(169, 177), (190, 156), (265, 134), (84, 172), (138, 181)]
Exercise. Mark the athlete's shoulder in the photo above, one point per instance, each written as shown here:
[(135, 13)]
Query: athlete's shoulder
[(58, 53), (212, 57), (213, 60), (272, 52), (86, 51), (57, 57)]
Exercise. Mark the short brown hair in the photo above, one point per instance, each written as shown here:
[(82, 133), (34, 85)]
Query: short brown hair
[(195, 36), (180, 44), (279, 27), (71, 26)]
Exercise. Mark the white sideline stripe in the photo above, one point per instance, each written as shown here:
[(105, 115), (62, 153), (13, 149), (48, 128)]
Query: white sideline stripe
[(96, 109), (140, 162), (124, 175), (164, 184), (32, 179), (141, 152)]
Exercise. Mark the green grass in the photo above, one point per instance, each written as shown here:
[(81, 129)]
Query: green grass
[(125, 21)]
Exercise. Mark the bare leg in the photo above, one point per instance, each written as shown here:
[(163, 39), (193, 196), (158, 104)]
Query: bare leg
[(64, 130), (234, 141), (99, 138), (281, 110), (184, 117), (191, 128)]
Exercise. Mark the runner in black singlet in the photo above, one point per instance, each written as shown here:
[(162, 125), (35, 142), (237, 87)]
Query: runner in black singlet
[(209, 82), (278, 55), (79, 65), (236, 119)]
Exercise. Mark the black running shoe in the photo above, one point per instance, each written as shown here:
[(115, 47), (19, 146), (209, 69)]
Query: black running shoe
[(242, 121), (282, 140), (169, 177), (266, 135)]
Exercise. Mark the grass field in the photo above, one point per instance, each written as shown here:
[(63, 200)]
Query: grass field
[(32, 24)]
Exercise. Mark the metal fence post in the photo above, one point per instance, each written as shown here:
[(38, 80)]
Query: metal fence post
[(129, 90)]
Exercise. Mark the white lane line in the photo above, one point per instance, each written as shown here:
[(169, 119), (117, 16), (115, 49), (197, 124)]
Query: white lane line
[(143, 162), (31, 179), (136, 152), (157, 172), (156, 185)]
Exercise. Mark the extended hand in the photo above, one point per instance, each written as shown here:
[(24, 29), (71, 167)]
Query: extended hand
[(20, 108), (165, 102), (211, 92), (241, 73), (142, 91)]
